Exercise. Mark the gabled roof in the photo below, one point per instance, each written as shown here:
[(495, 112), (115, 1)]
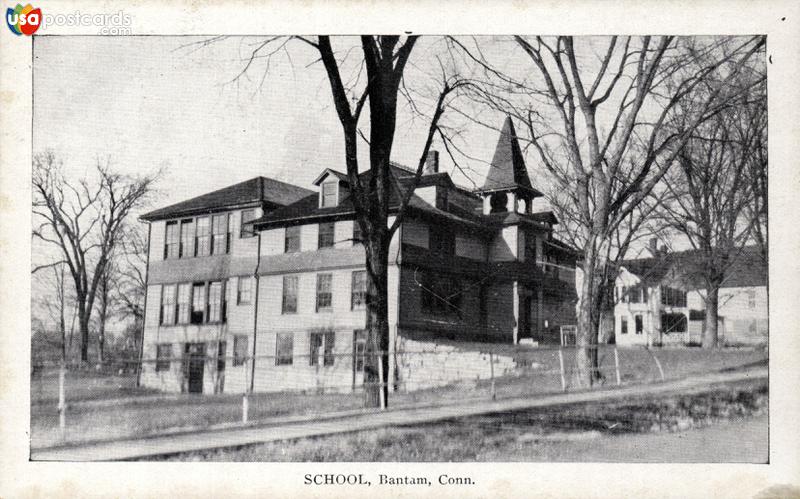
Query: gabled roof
[(330, 171), (250, 192), (746, 269), (507, 170), (307, 209)]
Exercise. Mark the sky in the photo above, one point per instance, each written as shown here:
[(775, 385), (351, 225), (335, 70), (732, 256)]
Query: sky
[(149, 103)]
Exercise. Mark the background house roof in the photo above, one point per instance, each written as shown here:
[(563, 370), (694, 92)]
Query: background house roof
[(255, 190), (747, 268)]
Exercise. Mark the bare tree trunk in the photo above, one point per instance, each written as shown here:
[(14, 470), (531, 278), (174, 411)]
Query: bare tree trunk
[(62, 323), (586, 354), (377, 323), (83, 327), (711, 332), (102, 316), (101, 334)]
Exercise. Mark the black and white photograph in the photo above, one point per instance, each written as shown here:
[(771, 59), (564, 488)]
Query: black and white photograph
[(397, 248)]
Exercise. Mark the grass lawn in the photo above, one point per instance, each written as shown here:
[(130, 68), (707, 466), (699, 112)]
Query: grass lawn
[(83, 385), (724, 424), (105, 406)]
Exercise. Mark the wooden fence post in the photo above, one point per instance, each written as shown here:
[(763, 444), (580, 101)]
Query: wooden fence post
[(245, 407), (563, 376), (616, 365), (491, 373), (62, 400), (658, 365), (380, 381)]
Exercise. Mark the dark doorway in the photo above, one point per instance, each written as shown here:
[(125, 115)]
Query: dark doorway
[(639, 324), (525, 313), (195, 355)]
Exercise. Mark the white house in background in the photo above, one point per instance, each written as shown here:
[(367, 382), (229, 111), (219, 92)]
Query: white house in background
[(659, 300)]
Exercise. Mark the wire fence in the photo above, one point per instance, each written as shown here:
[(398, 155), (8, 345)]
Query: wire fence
[(206, 388)]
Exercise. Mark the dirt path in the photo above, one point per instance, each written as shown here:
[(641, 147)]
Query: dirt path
[(184, 442)]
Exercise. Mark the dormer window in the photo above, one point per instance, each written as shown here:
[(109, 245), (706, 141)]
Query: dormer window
[(329, 194)]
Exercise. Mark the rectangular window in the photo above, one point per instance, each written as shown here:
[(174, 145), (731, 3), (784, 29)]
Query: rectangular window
[(215, 302), (222, 346), (244, 290), (440, 294), (328, 194), (187, 238), (171, 241), (673, 323), (321, 341), (198, 302), (751, 298), (358, 294), (324, 292), (292, 242), (220, 234), (357, 233), (325, 238), (168, 304), (239, 349), (202, 238), (284, 349), (639, 323), (530, 247), (247, 216), (359, 349), (184, 302), (673, 297), (634, 294), (623, 325), (163, 357), (289, 302)]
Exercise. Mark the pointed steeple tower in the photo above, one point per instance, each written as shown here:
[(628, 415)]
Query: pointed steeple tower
[(508, 187)]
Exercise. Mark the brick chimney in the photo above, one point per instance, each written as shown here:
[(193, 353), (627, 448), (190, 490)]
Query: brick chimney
[(431, 162), (654, 246)]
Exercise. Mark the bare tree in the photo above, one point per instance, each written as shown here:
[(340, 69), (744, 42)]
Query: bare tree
[(598, 118), (83, 220), (754, 120), (131, 275), (715, 191), (55, 301), (105, 303), (378, 194)]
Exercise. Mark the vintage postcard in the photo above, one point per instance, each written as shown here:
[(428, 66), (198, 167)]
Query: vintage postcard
[(368, 249)]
